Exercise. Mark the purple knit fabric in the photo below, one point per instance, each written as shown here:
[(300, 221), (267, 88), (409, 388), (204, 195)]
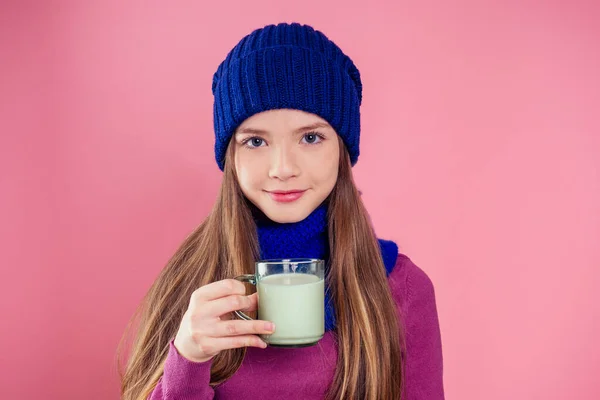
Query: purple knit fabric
[(306, 373)]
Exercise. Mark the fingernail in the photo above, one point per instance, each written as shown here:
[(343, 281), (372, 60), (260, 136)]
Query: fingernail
[(269, 326)]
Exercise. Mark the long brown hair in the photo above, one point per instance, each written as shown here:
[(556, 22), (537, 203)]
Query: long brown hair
[(369, 335)]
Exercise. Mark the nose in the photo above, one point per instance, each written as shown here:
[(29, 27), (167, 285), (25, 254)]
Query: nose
[(283, 164)]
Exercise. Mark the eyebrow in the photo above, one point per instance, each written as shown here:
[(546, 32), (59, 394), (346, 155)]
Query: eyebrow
[(302, 129)]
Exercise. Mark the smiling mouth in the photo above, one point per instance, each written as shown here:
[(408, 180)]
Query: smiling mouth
[(285, 196)]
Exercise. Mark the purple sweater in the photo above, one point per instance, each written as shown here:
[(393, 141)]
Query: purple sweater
[(306, 373)]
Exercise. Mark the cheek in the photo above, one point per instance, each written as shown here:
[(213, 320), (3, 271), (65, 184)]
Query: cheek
[(331, 174), (249, 171), (325, 170)]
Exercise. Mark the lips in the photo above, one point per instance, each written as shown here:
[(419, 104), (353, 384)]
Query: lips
[(286, 196)]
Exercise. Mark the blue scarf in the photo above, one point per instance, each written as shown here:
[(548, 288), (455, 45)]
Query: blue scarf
[(308, 239)]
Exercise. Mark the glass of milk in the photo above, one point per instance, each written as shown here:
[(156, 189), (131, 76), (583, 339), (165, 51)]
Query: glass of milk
[(291, 294)]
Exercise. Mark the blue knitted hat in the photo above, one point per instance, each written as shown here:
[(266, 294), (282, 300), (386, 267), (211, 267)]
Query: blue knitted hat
[(287, 66)]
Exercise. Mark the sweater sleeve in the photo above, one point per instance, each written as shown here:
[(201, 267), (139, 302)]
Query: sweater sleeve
[(424, 362), (183, 379)]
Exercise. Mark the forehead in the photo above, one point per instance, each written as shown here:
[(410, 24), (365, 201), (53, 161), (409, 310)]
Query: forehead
[(282, 119)]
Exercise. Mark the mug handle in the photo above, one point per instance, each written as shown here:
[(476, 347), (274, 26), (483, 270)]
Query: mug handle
[(249, 278)]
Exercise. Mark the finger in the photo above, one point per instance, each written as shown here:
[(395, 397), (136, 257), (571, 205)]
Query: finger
[(219, 289), (236, 342), (238, 327), (253, 307), (253, 303), (224, 305)]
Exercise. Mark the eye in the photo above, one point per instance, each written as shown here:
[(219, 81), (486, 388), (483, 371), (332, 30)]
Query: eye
[(253, 142), (312, 138)]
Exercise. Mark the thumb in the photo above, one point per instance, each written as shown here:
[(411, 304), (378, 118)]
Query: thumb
[(253, 303)]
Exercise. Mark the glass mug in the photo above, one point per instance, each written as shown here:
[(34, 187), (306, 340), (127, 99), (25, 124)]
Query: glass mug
[(291, 294)]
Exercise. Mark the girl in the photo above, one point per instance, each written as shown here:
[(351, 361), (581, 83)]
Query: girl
[(287, 125)]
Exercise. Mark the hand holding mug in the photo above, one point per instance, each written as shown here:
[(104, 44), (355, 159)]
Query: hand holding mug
[(206, 330)]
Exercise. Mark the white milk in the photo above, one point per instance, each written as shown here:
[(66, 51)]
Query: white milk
[(295, 304)]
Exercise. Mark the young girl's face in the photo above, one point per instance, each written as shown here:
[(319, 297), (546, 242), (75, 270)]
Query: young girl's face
[(286, 162)]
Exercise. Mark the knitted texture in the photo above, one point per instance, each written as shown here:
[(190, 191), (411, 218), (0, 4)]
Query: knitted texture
[(309, 239), (287, 66)]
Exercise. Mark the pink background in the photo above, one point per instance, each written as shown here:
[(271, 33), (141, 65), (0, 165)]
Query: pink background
[(480, 157)]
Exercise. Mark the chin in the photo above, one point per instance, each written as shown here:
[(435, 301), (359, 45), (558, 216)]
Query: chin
[(284, 216)]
